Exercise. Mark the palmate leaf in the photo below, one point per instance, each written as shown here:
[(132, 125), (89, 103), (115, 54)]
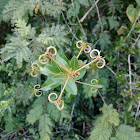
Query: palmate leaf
[(45, 127)]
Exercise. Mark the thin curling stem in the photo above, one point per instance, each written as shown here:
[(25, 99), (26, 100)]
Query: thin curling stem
[(59, 64), (87, 64), (63, 88), (44, 87), (80, 52), (85, 83)]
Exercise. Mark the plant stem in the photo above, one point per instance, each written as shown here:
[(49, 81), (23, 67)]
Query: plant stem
[(84, 83), (87, 64), (63, 88), (80, 52), (59, 64)]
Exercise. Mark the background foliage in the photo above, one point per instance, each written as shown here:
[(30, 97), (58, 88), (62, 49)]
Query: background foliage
[(112, 26)]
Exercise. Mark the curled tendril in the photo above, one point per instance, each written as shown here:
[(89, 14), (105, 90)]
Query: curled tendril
[(37, 91), (102, 62), (87, 47), (35, 66), (94, 81), (34, 72), (79, 44), (94, 86), (57, 102), (94, 89), (49, 97), (61, 102), (93, 55), (41, 59), (50, 51)]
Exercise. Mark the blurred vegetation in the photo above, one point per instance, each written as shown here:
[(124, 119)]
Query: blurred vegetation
[(28, 27)]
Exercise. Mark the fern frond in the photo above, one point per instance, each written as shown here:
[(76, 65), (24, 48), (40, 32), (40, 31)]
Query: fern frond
[(126, 132), (17, 9), (101, 132), (110, 115), (39, 101), (17, 48), (23, 29), (113, 23), (55, 114), (23, 94), (2, 5), (45, 127), (34, 114), (103, 125), (55, 36), (53, 7)]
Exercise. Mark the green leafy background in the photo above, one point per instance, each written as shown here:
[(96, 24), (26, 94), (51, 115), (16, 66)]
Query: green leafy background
[(28, 27)]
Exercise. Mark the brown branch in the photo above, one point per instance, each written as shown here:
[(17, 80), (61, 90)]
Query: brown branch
[(69, 127), (83, 18), (102, 97), (78, 19), (130, 78), (69, 27), (132, 27), (99, 16)]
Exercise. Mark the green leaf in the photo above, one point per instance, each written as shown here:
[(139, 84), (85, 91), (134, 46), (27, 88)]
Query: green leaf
[(64, 57), (104, 40), (49, 84), (126, 132), (82, 73), (57, 115), (47, 68), (110, 114), (34, 114), (113, 23), (61, 78), (55, 67), (132, 13), (101, 132), (100, 86), (45, 127), (60, 60), (74, 63), (71, 87)]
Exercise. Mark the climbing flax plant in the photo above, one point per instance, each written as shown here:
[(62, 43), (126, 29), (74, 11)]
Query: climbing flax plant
[(62, 72)]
